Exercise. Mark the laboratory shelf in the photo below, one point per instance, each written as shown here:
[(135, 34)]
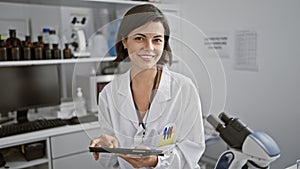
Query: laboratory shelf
[(129, 2), (19, 162), (55, 61), (119, 2)]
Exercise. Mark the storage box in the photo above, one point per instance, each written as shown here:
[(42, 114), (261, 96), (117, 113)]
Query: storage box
[(33, 151)]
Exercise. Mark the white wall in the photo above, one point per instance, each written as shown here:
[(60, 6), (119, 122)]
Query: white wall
[(268, 99)]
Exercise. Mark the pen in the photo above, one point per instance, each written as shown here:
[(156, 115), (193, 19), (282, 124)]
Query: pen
[(165, 132), (171, 130), (168, 133)]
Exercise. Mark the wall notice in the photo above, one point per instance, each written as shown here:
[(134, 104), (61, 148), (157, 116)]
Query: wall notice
[(246, 50), (219, 42)]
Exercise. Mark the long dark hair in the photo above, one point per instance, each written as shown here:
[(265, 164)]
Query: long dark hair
[(136, 17)]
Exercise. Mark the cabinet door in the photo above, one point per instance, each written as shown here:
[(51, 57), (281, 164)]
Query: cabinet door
[(72, 143), (76, 161)]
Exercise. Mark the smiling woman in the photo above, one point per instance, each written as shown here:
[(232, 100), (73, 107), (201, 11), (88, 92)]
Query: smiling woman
[(149, 106)]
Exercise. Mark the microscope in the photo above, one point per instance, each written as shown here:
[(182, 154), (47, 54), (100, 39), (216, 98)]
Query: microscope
[(78, 36), (248, 149)]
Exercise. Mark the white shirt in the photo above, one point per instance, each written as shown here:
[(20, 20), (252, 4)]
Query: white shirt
[(173, 123)]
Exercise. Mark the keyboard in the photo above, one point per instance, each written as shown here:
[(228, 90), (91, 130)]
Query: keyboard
[(20, 128)]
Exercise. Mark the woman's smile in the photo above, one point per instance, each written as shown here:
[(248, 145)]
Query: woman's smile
[(146, 57)]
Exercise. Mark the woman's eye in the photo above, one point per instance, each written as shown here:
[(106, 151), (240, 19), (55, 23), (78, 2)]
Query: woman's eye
[(139, 38), (158, 40)]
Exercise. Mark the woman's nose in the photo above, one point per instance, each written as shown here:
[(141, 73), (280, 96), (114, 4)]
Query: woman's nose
[(149, 45)]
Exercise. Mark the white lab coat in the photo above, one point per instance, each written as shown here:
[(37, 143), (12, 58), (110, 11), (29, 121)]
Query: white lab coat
[(176, 105)]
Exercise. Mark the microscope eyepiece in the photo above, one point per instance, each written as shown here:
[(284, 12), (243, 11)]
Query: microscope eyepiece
[(83, 21), (213, 121), (232, 131), (74, 20), (224, 117)]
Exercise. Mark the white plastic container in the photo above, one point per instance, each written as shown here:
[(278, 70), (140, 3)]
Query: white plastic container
[(53, 39), (79, 102), (98, 46), (45, 33)]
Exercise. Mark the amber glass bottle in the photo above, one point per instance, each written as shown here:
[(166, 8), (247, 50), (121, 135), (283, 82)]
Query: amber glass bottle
[(40, 41), (47, 51), (38, 53), (26, 52), (13, 39), (3, 51), (28, 41), (15, 51), (67, 52), (27, 48), (56, 52), (38, 48)]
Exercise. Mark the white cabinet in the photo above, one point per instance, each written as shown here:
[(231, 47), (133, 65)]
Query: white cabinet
[(65, 148), (15, 160), (71, 150), (78, 160)]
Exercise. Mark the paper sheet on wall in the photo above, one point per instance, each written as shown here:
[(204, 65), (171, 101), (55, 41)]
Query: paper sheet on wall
[(246, 50), (220, 42)]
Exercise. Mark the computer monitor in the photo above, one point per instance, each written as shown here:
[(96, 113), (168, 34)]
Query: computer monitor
[(26, 87)]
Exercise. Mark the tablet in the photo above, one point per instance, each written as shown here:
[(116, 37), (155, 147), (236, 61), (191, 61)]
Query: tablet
[(143, 152)]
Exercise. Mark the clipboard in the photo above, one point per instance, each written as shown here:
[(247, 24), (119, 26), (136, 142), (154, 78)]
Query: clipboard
[(141, 152)]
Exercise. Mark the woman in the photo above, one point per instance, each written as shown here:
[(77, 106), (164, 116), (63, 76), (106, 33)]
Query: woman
[(149, 106)]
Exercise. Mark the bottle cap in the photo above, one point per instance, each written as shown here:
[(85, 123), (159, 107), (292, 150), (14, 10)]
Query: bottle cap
[(46, 30), (12, 30), (52, 32)]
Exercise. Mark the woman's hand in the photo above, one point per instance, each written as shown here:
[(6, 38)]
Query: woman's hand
[(143, 161), (104, 141), (138, 161)]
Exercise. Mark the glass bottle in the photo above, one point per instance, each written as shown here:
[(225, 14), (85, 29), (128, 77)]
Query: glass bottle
[(38, 53), (47, 51), (38, 47), (28, 41), (26, 52), (13, 39), (15, 51), (56, 52), (40, 41), (3, 51), (67, 52)]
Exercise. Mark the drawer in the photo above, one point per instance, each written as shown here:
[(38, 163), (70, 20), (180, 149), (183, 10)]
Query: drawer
[(72, 143)]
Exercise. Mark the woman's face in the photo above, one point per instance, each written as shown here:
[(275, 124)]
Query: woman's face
[(145, 45)]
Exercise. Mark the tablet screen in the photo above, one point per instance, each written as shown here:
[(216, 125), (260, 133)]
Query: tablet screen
[(143, 152)]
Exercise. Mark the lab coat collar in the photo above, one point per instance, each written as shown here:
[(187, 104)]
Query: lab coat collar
[(126, 101)]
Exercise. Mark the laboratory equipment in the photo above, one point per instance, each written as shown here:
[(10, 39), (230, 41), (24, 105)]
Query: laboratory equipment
[(78, 36), (247, 148)]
